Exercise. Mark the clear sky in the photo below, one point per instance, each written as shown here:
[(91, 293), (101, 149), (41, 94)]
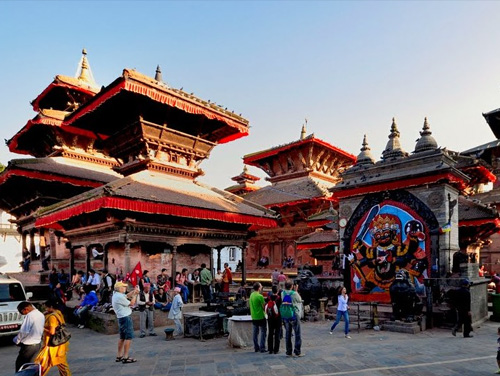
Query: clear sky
[(348, 67)]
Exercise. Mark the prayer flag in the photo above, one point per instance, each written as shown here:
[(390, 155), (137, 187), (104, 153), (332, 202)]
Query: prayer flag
[(446, 228)]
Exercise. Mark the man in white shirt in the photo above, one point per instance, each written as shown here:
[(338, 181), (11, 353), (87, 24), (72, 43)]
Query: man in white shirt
[(30, 334), (121, 306), (94, 279), (96, 254)]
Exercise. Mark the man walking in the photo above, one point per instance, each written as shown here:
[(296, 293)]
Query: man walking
[(462, 304), (290, 313), (206, 282), (30, 334), (257, 303), (121, 305)]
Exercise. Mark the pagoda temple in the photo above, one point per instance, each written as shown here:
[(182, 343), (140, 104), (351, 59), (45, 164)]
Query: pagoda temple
[(300, 174), (115, 169)]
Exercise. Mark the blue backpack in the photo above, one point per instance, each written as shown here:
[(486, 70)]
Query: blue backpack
[(286, 309)]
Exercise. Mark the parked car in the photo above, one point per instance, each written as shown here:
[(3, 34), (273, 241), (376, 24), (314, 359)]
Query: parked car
[(11, 294)]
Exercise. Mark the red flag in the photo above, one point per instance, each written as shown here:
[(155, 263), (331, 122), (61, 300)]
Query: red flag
[(136, 274)]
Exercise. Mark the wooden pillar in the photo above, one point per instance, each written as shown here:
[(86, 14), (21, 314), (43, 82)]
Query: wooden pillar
[(32, 245), (71, 261), (127, 258), (105, 257), (219, 265), (87, 257), (174, 264), (23, 237), (211, 261), (244, 263)]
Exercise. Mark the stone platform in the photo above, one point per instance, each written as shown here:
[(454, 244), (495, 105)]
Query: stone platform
[(107, 323), (404, 327)]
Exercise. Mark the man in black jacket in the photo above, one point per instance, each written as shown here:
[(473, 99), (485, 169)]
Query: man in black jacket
[(462, 304)]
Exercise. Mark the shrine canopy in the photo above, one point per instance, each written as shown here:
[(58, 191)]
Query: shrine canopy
[(323, 244), (134, 95), (478, 218), (246, 183), (158, 198)]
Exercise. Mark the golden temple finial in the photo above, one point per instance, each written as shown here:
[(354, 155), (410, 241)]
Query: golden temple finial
[(304, 130), (85, 73)]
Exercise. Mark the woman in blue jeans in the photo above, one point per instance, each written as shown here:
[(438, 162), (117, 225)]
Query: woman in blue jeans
[(342, 309)]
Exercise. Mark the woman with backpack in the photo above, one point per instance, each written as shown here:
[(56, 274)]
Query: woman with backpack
[(272, 310), (342, 309)]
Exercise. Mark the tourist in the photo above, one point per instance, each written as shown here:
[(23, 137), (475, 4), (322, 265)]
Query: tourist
[(242, 292), (227, 278), (274, 277), (30, 334), (290, 314), (180, 282), (53, 278), (82, 311), (63, 279), (26, 260), (462, 304), (256, 304), (273, 320), (281, 280), (96, 254), (77, 282), (176, 312), (162, 300), (342, 311), (193, 279), (107, 284), (146, 302), (121, 306), (162, 281), (218, 281), (46, 259), (263, 262), (94, 279), (53, 356), (481, 271), (144, 279), (206, 282), (239, 266)]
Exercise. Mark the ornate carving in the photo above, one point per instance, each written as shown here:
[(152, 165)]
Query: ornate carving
[(346, 211), (435, 199)]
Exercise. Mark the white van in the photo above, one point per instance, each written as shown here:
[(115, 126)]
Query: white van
[(11, 294)]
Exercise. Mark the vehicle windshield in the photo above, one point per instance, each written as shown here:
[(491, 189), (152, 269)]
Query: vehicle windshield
[(11, 292)]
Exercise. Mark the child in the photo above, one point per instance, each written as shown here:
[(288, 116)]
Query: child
[(498, 352)]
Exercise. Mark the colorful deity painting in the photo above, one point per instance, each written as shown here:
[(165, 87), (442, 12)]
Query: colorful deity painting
[(390, 237)]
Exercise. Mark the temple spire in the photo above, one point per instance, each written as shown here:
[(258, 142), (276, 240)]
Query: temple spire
[(365, 157), (426, 141), (393, 148), (304, 130), (158, 76), (84, 73)]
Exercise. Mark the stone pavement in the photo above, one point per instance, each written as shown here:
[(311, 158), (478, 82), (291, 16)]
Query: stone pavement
[(433, 352)]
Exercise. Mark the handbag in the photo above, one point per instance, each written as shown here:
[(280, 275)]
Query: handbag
[(61, 335)]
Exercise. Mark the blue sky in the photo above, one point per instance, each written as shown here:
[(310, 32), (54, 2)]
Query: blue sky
[(348, 67)]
